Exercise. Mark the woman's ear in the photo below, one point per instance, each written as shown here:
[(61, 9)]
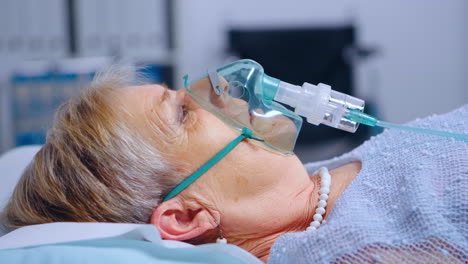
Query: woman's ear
[(182, 220)]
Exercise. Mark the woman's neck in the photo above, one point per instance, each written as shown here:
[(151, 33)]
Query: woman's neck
[(341, 178), (260, 247)]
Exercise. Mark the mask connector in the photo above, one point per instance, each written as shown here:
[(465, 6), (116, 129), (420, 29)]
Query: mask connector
[(215, 83)]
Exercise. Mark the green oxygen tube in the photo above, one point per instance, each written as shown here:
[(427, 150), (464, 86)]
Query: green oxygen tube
[(368, 120)]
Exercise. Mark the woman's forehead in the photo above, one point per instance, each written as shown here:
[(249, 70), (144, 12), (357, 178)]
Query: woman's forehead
[(137, 99), (143, 91)]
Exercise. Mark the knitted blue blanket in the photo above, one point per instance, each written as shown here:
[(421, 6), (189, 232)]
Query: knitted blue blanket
[(409, 203)]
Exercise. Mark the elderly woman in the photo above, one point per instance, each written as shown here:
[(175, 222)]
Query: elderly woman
[(115, 152)]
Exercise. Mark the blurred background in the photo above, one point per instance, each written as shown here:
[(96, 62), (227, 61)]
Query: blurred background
[(406, 59)]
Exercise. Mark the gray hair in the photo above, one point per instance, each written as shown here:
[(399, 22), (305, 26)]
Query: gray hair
[(94, 167)]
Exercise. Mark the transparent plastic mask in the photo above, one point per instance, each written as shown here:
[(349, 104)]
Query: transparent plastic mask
[(234, 93)]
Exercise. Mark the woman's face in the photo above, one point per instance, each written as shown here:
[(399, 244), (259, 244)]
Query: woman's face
[(255, 190)]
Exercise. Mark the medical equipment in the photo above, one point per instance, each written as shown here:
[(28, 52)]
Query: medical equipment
[(372, 121), (243, 96)]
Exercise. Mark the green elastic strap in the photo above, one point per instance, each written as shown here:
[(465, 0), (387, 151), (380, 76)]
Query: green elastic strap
[(246, 133)]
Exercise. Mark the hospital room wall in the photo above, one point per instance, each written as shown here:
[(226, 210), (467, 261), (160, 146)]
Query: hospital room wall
[(50, 48), (422, 67)]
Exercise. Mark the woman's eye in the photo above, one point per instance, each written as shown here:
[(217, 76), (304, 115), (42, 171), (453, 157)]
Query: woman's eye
[(183, 112)]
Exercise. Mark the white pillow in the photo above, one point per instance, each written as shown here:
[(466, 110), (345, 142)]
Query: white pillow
[(12, 165), (47, 234)]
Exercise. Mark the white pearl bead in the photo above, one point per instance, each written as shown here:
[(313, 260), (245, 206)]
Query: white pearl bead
[(322, 203), (320, 210), (324, 190), (325, 180), (324, 197), (318, 217), (310, 228), (221, 240), (315, 224)]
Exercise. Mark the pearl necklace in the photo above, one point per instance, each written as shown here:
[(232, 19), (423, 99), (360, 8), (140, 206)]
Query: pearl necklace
[(324, 191)]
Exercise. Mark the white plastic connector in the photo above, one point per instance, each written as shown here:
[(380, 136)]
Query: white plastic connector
[(309, 101), (288, 93), (320, 104), (314, 103)]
